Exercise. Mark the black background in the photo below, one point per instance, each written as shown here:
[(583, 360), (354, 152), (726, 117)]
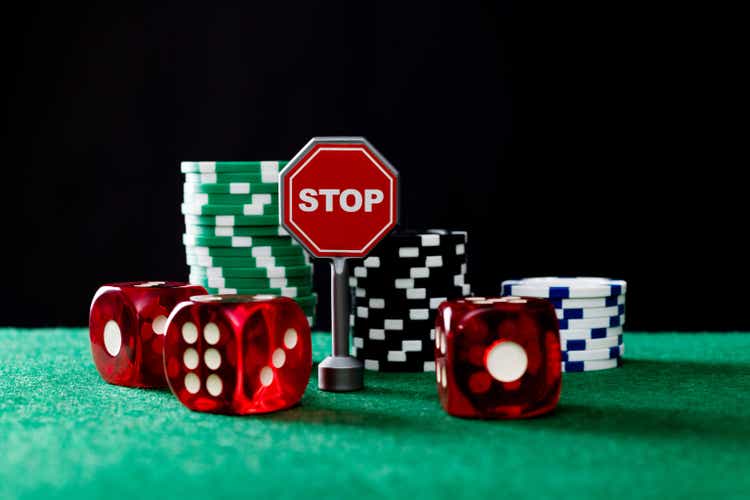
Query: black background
[(568, 140)]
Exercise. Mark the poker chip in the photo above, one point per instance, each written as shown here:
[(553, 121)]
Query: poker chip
[(589, 344), (232, 220), (292, 272), (224, 231), (413, 260), (590, 366), (591, 315), (377, 336), (416, 292), (607, 322), (590, 333), (434, 238), (411, 314), (415, 273), (590, 312), (233, 241), (287, 291), (208, 178), (408, 365), (305, 301), (395, 293), (237, 241), (437, 284), (564, 288), (231, 199), (223, 262), (407, 349), (598, 302), (221, 282), (243, 209), (254, 251), (230, 202), (402, 301), (220, 191), (261, 167), (594, 354)]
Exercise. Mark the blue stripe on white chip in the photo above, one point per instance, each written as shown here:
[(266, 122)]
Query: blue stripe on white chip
[(564, 288), (590, 312), (614, 300), (594, 354), (589, 344), (590, 333), (590, 366), (608, 322)]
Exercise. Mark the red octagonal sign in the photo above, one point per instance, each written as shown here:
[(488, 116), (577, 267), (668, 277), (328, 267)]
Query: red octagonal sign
[(338, 197)]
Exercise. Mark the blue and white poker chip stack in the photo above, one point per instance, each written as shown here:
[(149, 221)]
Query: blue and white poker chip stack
[(591, 313)]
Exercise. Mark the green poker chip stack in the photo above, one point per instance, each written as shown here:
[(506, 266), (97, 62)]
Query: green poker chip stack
[(233, 241)]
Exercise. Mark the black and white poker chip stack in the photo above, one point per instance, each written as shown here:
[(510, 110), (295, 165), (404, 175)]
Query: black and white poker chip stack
[(395, 294)]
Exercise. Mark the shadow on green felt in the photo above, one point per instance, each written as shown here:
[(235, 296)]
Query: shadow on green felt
[(355, 417), (653, 398), (379, 405), (644, 398)]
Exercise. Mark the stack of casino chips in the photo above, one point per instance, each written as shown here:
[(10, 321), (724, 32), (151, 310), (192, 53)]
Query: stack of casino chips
[(233, 241), (395, 294), (591, 314)]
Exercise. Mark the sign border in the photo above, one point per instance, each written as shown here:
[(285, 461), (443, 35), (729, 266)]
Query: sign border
[(379, 161)]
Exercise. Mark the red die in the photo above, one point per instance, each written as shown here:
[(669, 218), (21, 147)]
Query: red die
[(127, 323), (497, 357), (238, 354)]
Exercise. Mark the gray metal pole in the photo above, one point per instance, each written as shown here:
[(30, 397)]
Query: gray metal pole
[(339, 307), (340, 372)]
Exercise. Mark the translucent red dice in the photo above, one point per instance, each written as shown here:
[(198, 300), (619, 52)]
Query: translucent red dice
[(127, 322), (238, 354), (497, 357)]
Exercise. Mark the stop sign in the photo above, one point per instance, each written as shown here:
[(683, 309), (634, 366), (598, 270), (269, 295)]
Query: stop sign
[(338, 196)]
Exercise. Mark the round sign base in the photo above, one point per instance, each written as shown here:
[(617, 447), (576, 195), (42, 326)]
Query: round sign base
[(340, 374)]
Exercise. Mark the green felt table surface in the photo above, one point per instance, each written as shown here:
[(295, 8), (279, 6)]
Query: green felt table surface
[(673, 422)]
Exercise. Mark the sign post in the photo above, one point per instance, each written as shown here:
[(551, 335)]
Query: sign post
[(338, 198)]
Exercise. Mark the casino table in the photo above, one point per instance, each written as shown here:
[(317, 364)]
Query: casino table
[(672, 422)]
